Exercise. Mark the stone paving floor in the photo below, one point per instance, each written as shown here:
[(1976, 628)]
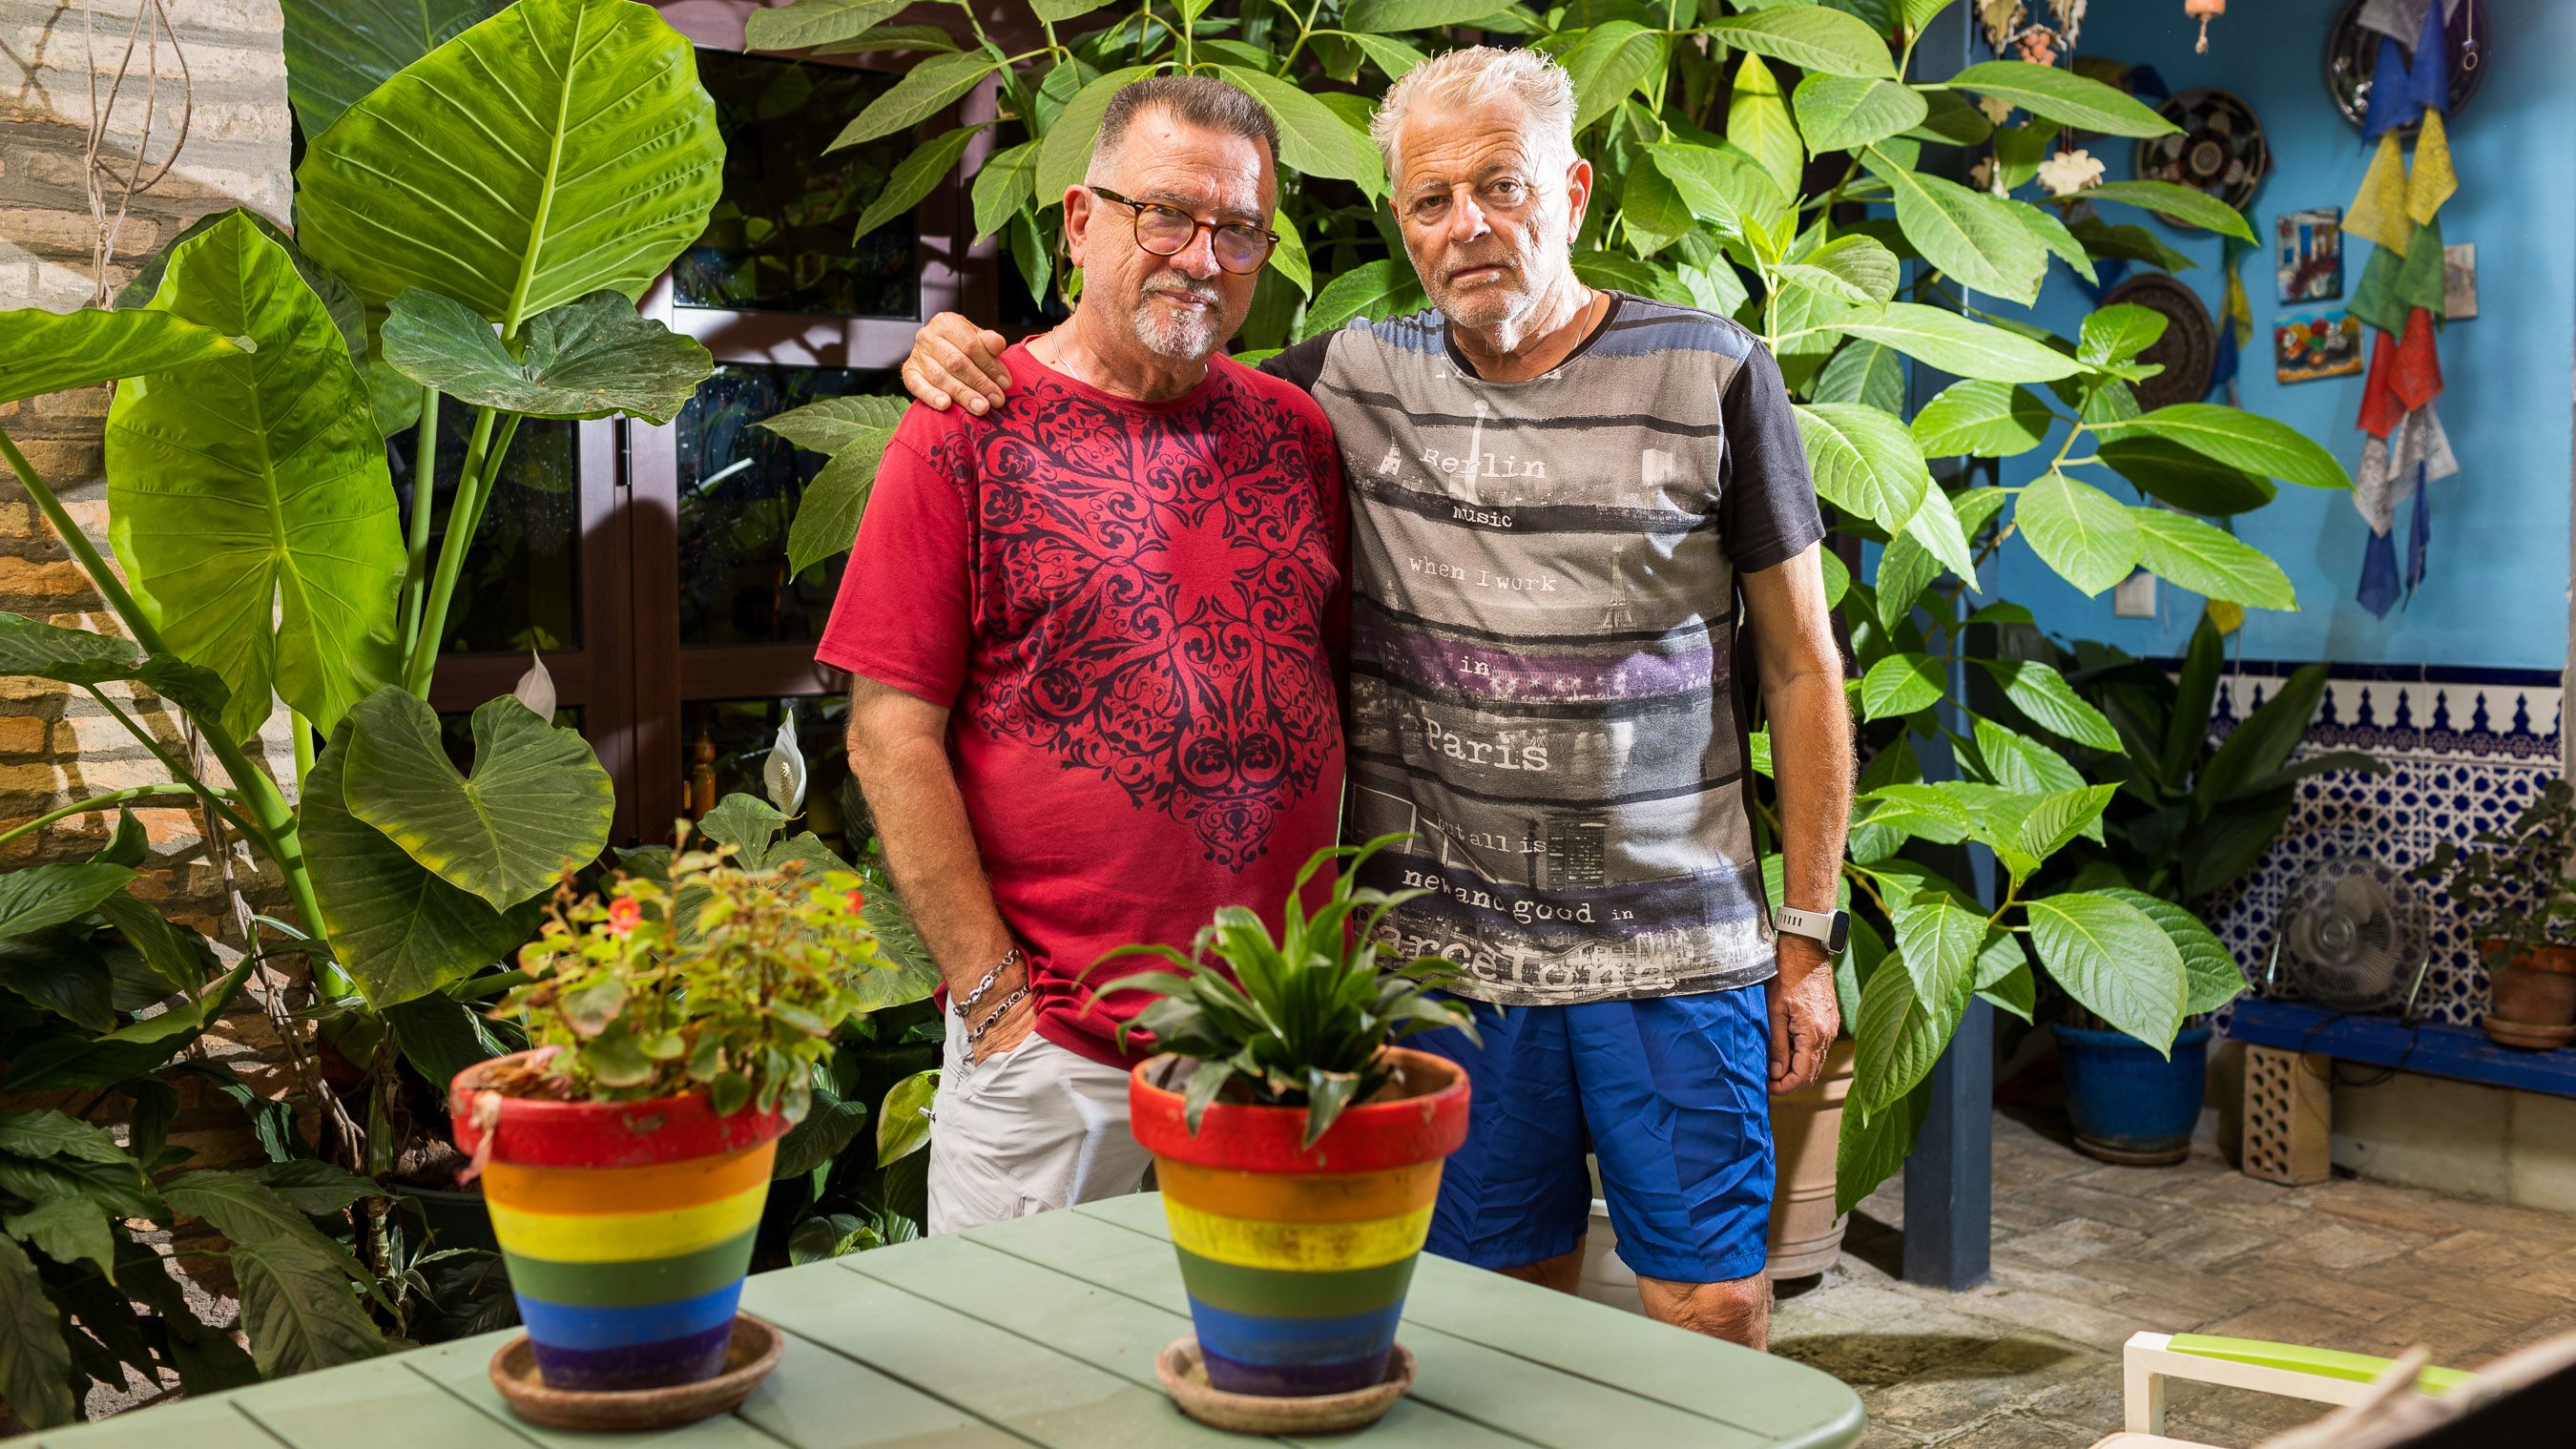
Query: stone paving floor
[(2086, 1254)]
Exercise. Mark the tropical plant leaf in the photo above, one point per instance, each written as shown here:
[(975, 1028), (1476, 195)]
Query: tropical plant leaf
[(338, 50), (1967, 234), (2060, 817), (1725, 187), (1982, 419), (343, 305), (2184, 204), (259, 483), (2238, 439), (809, 23), (299, 1290), (537, 804), (1900, 684), (2090, 538), (440, 1037), (1376, 290), (1864, 461), (2118, 333), (903, 1126), (2211, 975), (1607, 63), (1313, 139), (1003, 184), (1381, 17), (577, 128), (1757, 119), (1954, 344), (1869, 373), (1951, 119), (1845, 113), (1872, 1146), (1064, 153), (313, 1187), (399, 930), (591, 358), (2262, 742), (2053, 234), (1810, 38), (2115, 960), (2064, 97), (2177, 475), (1392, 57), (1899, 1033), (43, 896), (2042, 693), (35, 1353), (2022, 764), (2211, 561)]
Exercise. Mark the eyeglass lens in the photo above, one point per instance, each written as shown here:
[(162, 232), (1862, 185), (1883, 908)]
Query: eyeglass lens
[(1166, 232)]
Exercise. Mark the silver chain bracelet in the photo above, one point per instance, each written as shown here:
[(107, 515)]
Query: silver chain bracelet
[(967, 1003), (1014, 999)]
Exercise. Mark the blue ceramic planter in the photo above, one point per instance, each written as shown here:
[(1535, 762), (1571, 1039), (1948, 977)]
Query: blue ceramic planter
[(2129, 1104)]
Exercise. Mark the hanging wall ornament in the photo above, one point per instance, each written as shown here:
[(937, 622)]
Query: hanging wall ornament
[(2217, 147), (2363, 33), (2188, 350), (2203, 11)]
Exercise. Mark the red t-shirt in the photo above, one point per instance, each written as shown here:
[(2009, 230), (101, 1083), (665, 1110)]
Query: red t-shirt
[(1135, 614)]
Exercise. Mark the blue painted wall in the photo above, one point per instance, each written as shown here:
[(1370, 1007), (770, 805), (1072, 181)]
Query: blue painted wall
[(2495, 594)]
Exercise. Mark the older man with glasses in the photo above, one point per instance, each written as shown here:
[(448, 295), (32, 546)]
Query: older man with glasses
[(1096, 634)]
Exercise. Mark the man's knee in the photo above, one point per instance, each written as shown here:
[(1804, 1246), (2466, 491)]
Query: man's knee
[(1737, 1310), (1562, 1272)]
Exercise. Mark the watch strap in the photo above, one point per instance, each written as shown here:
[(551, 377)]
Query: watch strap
[(1830, 927)]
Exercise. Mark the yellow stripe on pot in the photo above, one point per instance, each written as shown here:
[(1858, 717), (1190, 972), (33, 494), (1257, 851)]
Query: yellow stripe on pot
[(620, 1237), (1309, 1247), (1350, 1197)]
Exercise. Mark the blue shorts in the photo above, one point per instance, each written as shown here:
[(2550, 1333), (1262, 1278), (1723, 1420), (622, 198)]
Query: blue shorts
[(1671, 1094)]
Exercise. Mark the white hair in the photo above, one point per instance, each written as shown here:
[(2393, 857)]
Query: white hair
[(1461, 79)]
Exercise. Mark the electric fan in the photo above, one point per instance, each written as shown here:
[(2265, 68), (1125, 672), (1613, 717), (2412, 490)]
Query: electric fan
[(2351, 936)]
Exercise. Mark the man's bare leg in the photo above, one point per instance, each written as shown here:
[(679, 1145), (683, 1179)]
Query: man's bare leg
[(1738, 1310), (1561, 1272)]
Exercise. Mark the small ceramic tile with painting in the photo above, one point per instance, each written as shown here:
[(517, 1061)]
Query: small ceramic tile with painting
[(2310, 345), (2308, 258)]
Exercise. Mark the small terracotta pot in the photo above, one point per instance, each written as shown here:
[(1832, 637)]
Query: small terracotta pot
[(1806, 1128), (1297, 1258), (626, 1226), (2531, 986)]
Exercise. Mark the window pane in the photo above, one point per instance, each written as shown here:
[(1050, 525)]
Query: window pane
[(779, 239), (725, 742), (521, 588), (739, 488)]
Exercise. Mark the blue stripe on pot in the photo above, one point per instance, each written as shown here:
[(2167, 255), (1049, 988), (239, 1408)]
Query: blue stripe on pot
[(1263, 1339), (635, 1366), (577, 1326)]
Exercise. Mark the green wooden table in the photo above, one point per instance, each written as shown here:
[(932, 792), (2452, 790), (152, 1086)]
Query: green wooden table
[(1044, 1331)]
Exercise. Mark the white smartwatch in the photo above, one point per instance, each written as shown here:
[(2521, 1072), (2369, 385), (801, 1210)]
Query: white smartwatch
[(1833, 928)]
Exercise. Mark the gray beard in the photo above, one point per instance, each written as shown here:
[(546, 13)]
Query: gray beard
[(1188, 338)]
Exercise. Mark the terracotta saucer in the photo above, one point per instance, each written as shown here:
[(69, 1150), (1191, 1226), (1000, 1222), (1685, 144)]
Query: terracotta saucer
[(748, 1359), (2528, 1034), (1185, 1379)]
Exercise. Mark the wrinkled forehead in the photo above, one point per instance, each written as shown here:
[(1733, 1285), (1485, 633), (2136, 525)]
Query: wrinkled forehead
[(1204, 172), (1443, 146)]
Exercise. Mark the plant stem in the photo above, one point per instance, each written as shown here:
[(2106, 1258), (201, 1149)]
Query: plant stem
[(187, 777), (303, 731), (463, 511), (1305, 28), (101, 577), (424, 492), (111, 800)]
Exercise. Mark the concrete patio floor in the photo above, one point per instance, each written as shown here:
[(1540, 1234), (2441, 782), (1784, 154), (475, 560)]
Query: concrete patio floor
[(2086, 1254)]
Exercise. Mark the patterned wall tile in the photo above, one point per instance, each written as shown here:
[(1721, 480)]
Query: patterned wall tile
[(2466, 751)]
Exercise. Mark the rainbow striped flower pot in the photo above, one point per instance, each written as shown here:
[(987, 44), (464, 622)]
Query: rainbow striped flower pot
[(1297, 1258), (627, 1227)]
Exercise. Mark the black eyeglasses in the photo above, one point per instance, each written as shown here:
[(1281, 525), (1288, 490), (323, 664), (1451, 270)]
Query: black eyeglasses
[(1166, 231)]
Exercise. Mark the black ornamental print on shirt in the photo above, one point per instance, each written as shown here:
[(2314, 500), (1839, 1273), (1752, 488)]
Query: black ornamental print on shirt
[(1155, 583)]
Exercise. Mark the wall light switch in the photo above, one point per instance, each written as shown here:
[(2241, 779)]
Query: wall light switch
[(2135, 596)]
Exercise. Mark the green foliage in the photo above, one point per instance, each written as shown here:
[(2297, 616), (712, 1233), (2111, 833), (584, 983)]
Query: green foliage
[(2514, 883), (1300, 1019), (719, 979), (589, 358)]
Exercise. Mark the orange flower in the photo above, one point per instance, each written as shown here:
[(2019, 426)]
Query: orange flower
[(623, 913), (855, 900)]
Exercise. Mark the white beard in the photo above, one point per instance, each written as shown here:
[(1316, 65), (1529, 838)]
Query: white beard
[(1189, 336)]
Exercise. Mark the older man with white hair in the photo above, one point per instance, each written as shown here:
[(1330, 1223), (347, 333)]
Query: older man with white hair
[(1568, 507)]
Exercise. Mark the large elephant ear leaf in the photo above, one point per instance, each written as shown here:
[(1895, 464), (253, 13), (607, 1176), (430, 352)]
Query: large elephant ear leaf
[(557, 149), (537, 802), (398, 929), (42, 352), (79, 657), (593, 358), (256, 483), (338, 50)]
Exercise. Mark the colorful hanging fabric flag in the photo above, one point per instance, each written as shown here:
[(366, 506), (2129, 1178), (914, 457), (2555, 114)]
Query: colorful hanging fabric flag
[(2235, 319)]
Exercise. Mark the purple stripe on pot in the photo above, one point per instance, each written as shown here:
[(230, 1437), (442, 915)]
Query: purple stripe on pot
[(1293, 1381), (1501, 672), (636, 1366)]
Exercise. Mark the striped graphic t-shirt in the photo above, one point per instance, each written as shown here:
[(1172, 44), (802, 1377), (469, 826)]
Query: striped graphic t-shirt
[(1543, 644)]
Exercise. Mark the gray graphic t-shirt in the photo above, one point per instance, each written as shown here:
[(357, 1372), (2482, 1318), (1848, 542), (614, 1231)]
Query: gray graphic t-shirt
[(1543, 644)]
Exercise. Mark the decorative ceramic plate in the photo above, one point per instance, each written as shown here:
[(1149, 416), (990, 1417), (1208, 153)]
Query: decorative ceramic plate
[(2220, 150), (2189, 348), (2352, 54)]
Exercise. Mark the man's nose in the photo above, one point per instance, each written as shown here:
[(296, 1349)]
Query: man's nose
[(1466, 218), (1199, 257)]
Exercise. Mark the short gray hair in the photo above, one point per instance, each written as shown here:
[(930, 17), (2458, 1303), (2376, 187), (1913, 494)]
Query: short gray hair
[(1471, 77), (1193, 100)]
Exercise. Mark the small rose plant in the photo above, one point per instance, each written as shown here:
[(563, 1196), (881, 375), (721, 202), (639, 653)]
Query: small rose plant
[(720, 979)]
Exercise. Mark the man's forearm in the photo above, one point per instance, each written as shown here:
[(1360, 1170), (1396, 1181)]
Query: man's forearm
[(1811, 759), (930, 849)]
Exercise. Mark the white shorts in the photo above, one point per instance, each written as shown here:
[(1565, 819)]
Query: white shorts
[(1037, 1128)]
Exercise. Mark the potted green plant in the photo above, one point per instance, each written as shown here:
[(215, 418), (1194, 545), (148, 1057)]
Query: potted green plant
[(626, 1156), (2514, 887), (1297, 1148), (2192, 814)]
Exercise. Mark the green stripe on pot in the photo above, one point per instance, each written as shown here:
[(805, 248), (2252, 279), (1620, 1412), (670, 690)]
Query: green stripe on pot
[(1281, 1293), (631, 1284)]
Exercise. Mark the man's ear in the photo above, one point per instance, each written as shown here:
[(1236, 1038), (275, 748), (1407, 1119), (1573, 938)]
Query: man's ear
[(1578, 195), (1078, 202)]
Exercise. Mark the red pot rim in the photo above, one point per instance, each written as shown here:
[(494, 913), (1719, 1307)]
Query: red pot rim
[(1371, 1137), (538, 1133)]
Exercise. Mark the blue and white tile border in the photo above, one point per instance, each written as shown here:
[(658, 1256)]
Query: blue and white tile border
[(2467, 749)]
